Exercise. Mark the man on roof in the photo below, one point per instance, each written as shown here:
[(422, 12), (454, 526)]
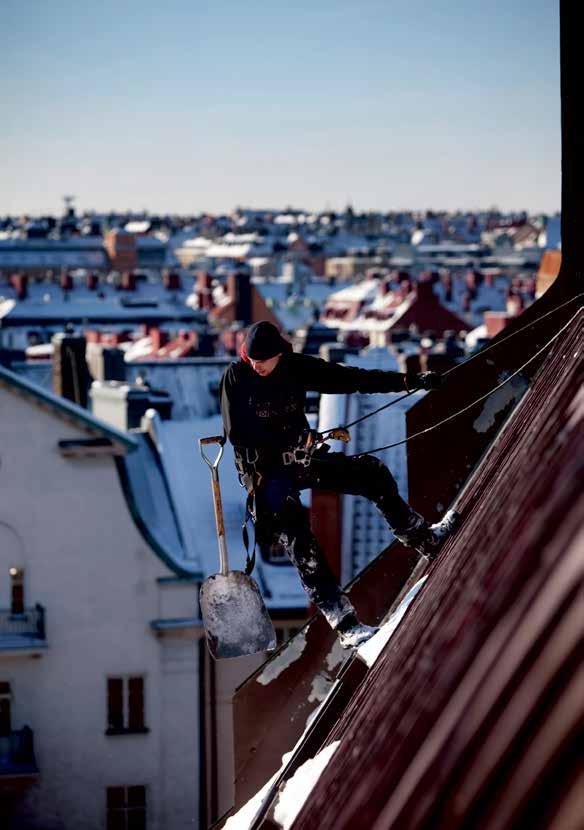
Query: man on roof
[(263, 397)]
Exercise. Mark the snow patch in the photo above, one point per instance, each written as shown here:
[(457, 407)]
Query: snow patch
[(370, 651), (335, 656), (245, 815), (299, 787), (497, 402), (283, 660), (320, 688)]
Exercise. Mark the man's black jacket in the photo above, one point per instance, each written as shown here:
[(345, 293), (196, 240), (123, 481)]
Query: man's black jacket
[(268, 412)]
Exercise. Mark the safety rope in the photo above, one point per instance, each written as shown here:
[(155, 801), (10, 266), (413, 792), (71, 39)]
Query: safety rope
[(474, 403), (482, 353)]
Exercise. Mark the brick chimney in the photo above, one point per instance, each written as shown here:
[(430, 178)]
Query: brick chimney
[(128, 281), (159, 338), (121, 249), (20, 284), (204, 291), (66, 280)]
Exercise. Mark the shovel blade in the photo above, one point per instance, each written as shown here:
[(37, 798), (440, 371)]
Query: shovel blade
[(234, 615)]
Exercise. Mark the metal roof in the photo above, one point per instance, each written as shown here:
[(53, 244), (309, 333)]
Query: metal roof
[(65, 409)]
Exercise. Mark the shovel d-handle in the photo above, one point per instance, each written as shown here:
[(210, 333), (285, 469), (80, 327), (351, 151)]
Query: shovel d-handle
[(217, 502)]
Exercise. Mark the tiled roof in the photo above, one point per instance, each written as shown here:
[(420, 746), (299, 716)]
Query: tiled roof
[(472, 716)]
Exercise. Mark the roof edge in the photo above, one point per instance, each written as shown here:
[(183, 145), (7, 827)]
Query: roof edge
[(142, 525), (65, 409)]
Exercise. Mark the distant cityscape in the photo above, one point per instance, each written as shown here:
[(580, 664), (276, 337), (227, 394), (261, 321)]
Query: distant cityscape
[(166, 285)]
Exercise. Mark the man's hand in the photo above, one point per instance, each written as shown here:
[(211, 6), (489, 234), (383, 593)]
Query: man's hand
[(423, 380)]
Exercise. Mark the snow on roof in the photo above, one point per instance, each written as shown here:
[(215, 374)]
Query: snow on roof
[(138, 226), (370, 651), (360, 291), (473, 337), (294, 311), (6, 306), (298, 788), (149, 301), (493, 298), (65, 409), (192, 383)]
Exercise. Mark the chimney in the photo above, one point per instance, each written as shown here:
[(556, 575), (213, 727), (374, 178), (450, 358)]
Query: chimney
[(105, 363), (171, 281), (66, 280), (229, 341), (20, 284), (159, 338), (70, 373), (514, 303), (239, 290), (204, 290), (123, 405), (121, 249), (128, 282)]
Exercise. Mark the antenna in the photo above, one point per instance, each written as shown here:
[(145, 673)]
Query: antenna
[(69, 209)]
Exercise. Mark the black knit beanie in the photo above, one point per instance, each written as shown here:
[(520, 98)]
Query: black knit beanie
[(263, 340)]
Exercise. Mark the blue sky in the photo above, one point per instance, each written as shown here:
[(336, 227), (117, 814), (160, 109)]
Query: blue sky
[(184, 106)]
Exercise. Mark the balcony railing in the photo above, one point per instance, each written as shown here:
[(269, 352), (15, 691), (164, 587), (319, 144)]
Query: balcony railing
[(17, 753), (30, 624)]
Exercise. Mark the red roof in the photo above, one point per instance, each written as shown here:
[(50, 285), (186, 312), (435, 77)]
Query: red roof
[(473, 715)]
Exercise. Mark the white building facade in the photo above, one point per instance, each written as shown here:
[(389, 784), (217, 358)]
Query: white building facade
[(99, 638)]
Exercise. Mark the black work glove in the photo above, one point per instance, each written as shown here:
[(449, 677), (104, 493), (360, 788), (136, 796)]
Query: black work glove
[(423, 380)]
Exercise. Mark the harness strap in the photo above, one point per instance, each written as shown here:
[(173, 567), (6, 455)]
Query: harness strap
[(249, 514)]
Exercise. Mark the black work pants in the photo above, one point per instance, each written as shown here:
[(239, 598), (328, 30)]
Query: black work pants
[(282, 520)]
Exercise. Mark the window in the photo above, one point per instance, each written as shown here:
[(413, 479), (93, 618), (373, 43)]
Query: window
[(126, 808), (16, 591), (125, 705)]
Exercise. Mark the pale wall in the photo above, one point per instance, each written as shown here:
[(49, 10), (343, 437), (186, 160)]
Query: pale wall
[(67, 524)]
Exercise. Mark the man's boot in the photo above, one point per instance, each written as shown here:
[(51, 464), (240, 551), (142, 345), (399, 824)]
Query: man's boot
[(428, 539), (342, 618), (352, 633)]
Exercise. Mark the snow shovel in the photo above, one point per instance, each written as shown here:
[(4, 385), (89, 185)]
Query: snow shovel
[(234, 615)]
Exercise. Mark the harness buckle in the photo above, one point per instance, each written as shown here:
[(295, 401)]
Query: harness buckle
[(296, 456)]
